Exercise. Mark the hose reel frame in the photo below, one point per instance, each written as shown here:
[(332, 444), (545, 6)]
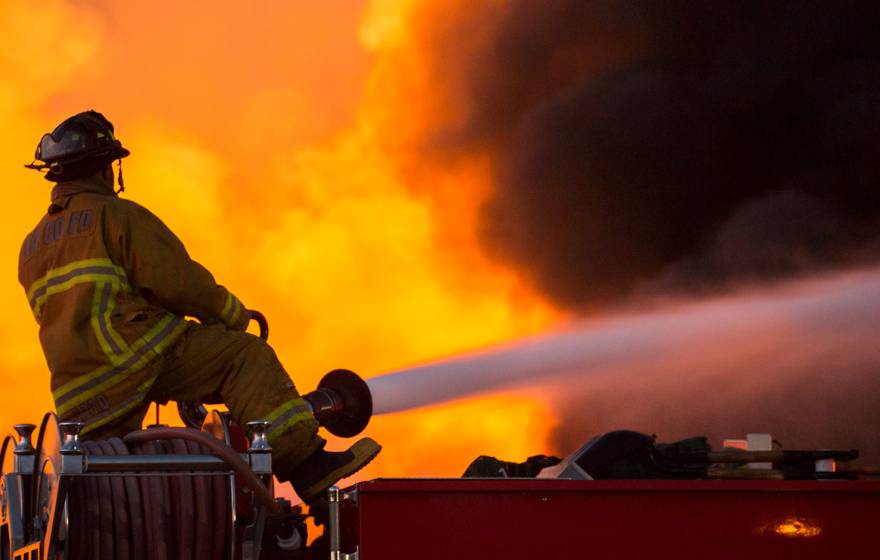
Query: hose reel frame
[(61, 467)]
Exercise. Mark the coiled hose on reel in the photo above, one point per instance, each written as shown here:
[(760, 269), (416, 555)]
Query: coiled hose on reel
[(149, 516)]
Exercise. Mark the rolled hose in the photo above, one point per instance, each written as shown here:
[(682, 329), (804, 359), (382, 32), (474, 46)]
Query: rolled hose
[(219, 449), (127, 517)]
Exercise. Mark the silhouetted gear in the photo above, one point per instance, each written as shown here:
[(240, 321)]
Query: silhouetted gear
[(80, 146), (110, 285)]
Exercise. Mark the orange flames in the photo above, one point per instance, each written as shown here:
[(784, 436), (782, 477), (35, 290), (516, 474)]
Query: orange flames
[(279, 144)]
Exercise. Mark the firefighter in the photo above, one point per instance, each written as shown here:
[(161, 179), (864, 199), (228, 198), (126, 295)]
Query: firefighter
[(111, 287)]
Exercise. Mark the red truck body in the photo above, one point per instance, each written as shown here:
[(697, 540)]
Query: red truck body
[(519, 519)]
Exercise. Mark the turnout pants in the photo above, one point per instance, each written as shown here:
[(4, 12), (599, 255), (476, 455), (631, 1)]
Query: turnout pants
[(213, 364)]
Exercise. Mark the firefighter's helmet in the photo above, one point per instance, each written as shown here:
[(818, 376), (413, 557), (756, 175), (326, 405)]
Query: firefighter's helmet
[(80, 146)]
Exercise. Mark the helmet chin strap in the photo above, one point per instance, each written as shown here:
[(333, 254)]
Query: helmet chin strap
[(119, 178)]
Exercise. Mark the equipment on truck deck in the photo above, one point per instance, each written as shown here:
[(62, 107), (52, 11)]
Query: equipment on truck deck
[(624, 454)]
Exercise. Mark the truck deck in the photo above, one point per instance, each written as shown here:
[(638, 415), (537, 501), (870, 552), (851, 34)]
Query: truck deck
[(470, 519)]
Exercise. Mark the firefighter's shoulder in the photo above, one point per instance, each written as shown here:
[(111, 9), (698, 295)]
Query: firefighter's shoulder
[(122, 210)]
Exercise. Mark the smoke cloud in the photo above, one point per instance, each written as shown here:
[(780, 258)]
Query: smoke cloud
[(645, 146)]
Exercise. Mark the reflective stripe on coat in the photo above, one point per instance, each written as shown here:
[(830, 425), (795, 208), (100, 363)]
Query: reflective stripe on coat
[(109, 285)]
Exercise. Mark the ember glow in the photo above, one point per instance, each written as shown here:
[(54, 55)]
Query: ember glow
[(798, 528), (792, 527)]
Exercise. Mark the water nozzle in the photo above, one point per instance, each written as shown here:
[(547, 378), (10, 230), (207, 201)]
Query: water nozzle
[(342, 403)]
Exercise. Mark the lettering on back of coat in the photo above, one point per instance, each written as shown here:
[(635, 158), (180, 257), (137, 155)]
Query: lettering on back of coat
[(74, 224)]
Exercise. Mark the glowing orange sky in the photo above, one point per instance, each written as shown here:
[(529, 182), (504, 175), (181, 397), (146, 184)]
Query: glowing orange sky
[(275, 139)]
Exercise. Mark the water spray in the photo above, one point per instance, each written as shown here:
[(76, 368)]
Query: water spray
[(343, 402), (819, 309)]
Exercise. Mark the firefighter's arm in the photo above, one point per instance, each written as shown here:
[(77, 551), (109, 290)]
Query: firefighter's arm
[(158, 264)]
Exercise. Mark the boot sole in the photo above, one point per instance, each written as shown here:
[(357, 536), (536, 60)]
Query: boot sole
[(364, 451)]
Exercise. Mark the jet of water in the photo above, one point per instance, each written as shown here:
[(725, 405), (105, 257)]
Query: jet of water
[(789, 316)]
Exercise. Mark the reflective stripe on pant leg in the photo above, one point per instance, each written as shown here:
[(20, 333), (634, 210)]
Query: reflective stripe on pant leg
[(293, 432), (120, 425), (289, 413), (294, 441), (260, 389), (118, 411), (244, 371)]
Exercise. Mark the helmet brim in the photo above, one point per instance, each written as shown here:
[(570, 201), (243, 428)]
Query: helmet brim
[(83, 139)]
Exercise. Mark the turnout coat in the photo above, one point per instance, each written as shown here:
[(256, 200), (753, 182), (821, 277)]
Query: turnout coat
[(109, 285)]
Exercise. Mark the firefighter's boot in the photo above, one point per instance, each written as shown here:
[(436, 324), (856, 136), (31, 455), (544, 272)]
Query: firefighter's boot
[(312, 477)]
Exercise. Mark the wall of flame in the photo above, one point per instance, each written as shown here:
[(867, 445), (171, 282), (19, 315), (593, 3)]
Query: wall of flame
[(277, 140)]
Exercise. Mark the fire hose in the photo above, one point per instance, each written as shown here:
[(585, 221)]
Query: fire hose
[(135, 516), (148, 517), (217, 448)]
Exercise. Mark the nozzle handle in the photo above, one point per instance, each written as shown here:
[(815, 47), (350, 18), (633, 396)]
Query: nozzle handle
[(260, 319)]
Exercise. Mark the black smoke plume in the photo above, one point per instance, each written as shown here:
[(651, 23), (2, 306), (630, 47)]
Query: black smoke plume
[(688, 146)]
